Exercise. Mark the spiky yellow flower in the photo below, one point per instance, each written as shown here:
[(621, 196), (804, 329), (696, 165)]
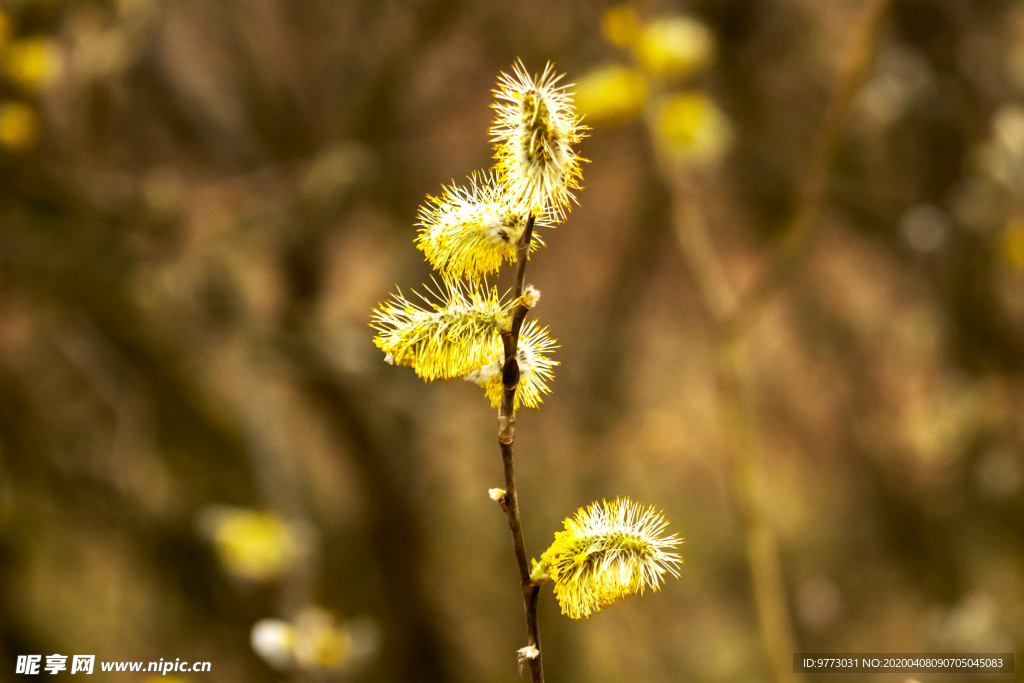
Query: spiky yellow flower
[(535, 369), (534, 132), (448, 338), (468, 231), (609, 551)]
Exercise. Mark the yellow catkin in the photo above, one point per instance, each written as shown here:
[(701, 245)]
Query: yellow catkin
[(252, 545), (33, 62), (533, 134), (607, 552), (314, 641), (468, 232), (447, 338), (692, 130), (620, 25)]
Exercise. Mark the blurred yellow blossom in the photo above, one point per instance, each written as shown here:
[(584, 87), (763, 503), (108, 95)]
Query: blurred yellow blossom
[(252, 545), (19, 125), (611, 93), (314, 641), (1013, 244), (674, 46), (1002, 156), (33, 62), (692, 129), (319, 643), (620, 25)]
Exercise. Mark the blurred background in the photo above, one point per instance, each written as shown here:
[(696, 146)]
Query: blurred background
[(790, 309)]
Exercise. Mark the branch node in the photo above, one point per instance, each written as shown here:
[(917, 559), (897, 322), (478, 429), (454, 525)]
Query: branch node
[(537, 574), (530, 297), (526, 654), (506, 429), (510, 373)]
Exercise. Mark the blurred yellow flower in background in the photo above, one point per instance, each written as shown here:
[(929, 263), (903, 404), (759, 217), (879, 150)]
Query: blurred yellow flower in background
[(674, 46), (319, 643), (19, 125), (692, 129), (252, 545), (33, 62), (612, 94), (274, 641), (314, 641), (620, 25), (1013, 244)]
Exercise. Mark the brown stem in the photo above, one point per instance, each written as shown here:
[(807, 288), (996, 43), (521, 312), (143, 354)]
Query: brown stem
[(744, 466), (743, 451), (716, 295), (510, 338), (510, 504), (506, 437)]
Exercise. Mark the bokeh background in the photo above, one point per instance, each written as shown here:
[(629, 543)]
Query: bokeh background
[(202, 200)]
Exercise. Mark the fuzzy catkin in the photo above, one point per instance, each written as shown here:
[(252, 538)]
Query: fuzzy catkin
[(609, 551), (533, 134), (446, 339)]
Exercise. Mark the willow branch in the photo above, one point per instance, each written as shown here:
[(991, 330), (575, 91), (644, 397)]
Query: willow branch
[(731, 316), (717, 297), (797, 233), (506, 436)]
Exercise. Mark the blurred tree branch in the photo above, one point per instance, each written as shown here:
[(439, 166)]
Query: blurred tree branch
[(731, 315), (796, 237)]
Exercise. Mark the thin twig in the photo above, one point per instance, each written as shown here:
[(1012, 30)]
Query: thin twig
[(743, 452), (744, 463), (506, 437), (716, 294)]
